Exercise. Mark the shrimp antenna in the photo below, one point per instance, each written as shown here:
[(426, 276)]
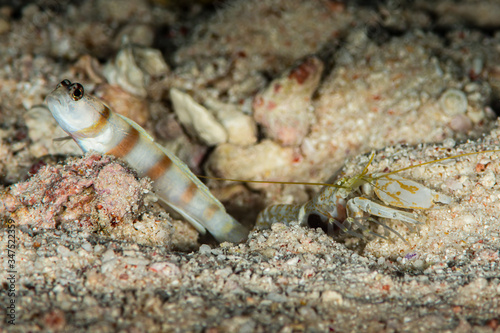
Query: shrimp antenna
[(268, 181), (436, 161)]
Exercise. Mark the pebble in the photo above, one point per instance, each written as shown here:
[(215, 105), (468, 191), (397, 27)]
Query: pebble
[(98, 248), (294, 261), (135, 261), (63, 251), (331, 297), (488, 179), (109, 265), (108, 255), (87, 246), (205, 249), (165, 268)]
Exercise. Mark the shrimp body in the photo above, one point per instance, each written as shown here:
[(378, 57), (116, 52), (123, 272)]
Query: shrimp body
[(95, 127), (345, 205)]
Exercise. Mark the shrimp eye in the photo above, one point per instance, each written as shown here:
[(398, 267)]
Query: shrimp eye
[(76, 91)]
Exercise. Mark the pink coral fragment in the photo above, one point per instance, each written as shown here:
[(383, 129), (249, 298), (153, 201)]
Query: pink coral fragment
[(283, 108), (74, 192)]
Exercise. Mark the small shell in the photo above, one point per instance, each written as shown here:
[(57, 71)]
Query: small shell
[(453, 102)]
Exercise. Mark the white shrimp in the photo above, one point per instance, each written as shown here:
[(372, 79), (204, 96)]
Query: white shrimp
[(345, 205)]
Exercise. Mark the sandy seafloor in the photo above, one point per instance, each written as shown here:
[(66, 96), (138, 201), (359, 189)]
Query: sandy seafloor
[(285, 90)]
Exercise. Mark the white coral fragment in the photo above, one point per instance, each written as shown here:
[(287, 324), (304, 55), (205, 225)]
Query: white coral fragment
[(197, 119), (241, 128), (265, 160), (133, 67)]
